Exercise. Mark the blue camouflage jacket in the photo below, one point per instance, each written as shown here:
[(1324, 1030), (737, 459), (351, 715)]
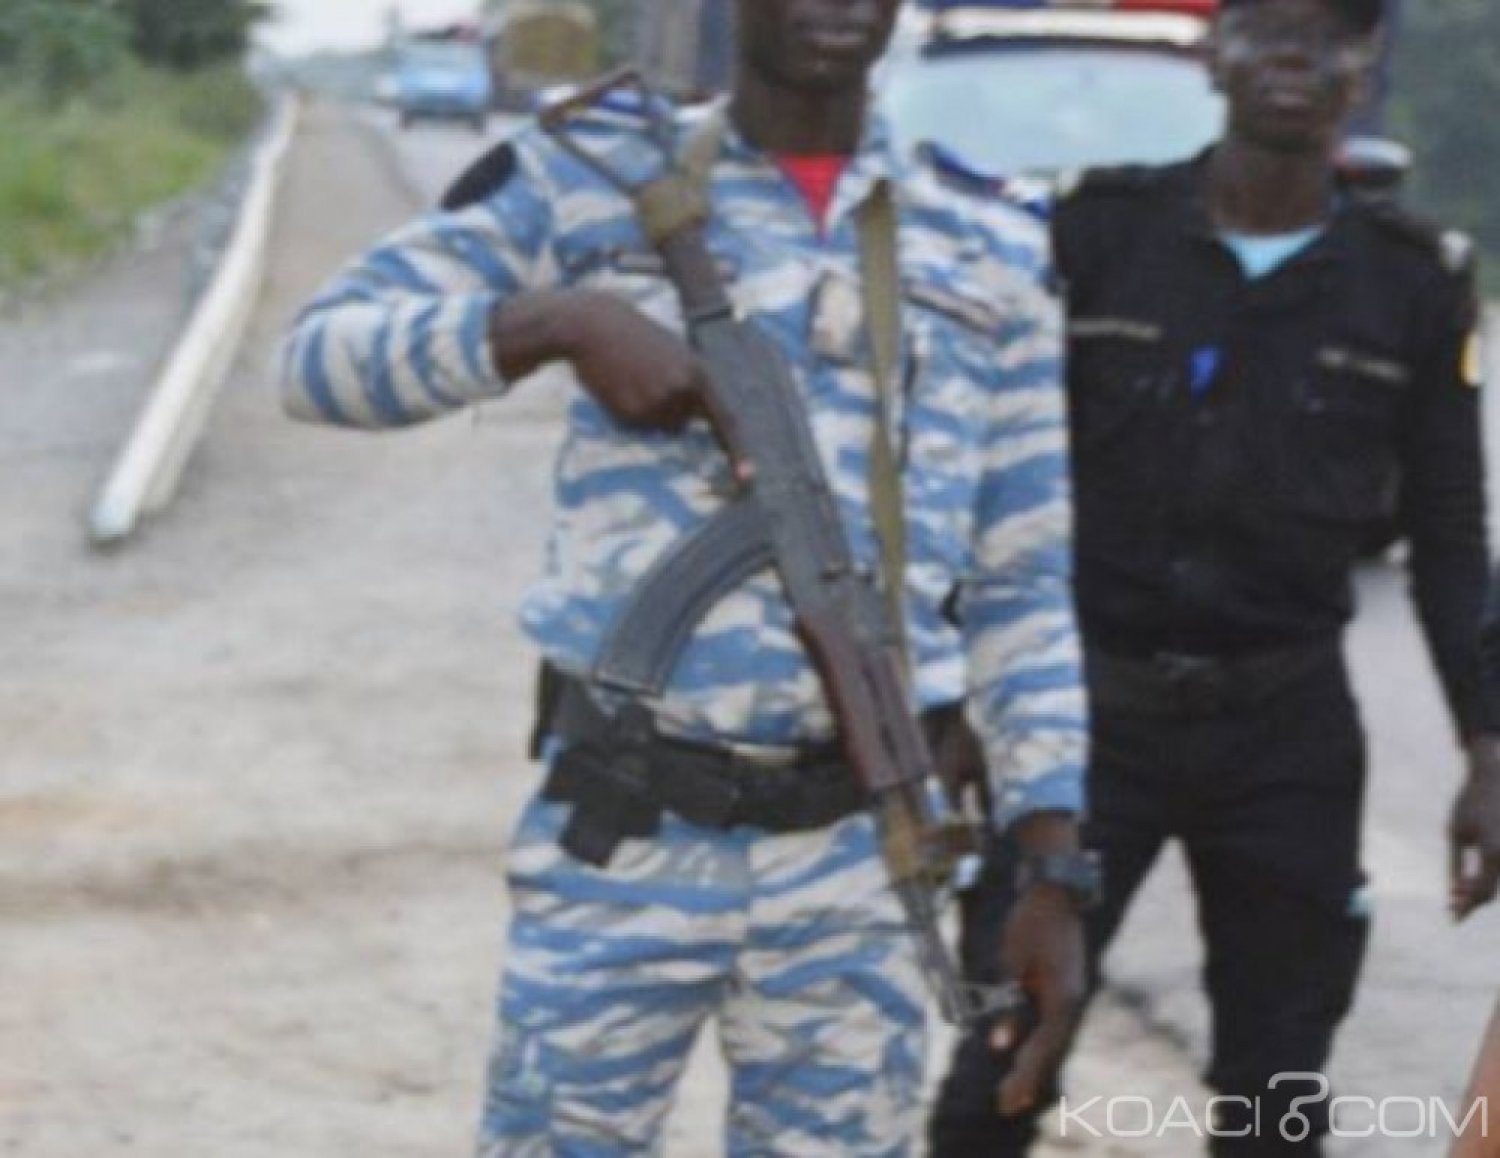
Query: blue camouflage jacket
[(402, 337)]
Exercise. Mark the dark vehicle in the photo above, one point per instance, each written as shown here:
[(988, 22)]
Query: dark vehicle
[(443, 80)]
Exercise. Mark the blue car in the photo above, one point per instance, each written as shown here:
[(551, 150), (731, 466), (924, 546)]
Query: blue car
[(443, 80)]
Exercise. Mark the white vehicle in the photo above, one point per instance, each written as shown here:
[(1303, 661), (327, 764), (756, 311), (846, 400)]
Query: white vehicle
[(1016, 89), (1015, 93)]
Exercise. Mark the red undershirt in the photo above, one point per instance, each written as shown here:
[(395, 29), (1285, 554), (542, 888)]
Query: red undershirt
[(816, 176)]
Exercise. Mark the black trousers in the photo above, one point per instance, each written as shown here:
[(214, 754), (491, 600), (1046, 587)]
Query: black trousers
[(1266, 798)]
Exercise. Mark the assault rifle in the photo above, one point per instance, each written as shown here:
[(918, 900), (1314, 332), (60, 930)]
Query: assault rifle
[(786, 516)]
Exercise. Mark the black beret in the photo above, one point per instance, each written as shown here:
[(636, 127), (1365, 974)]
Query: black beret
[(1364, 15)]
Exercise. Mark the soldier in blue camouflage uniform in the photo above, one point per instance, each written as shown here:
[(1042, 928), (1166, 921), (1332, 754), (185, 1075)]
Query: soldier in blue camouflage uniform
[(791, 940)]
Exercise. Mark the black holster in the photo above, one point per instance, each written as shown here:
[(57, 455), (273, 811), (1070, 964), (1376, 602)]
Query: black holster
[(621, 775)]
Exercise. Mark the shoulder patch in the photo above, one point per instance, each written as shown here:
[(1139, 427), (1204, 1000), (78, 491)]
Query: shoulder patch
[(1451, 248), (955, 171), (481, 180)]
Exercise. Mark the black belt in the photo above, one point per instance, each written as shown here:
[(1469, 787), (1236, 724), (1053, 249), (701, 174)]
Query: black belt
[(1188, 686), (621, 775)]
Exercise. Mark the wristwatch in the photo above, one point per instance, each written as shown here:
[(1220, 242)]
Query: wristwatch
[(1080, 874)]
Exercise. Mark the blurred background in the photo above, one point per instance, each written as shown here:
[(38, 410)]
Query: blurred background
[(89, 83), (259, 760)]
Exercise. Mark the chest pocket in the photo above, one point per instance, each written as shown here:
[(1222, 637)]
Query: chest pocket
[(1124, 384), (1338, 461), (954, 345), (954, 339)]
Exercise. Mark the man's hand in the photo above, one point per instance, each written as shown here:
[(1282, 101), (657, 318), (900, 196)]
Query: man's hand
[(1042, 949), (1474, 831), (645, 376), (958, 757)]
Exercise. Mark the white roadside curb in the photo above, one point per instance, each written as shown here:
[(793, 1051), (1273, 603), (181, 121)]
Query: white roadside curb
[(145, 475)]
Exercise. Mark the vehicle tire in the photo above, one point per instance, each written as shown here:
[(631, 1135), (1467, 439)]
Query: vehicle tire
[(407, 120), (480, 123)]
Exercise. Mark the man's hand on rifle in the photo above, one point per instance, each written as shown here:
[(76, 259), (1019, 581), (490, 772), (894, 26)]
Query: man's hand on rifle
[(1042, 949), (643, 375)]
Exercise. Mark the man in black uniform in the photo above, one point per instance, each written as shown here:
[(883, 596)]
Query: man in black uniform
[(1262, 370)]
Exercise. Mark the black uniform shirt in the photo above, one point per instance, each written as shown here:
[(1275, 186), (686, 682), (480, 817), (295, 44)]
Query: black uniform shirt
[(1237, 442)]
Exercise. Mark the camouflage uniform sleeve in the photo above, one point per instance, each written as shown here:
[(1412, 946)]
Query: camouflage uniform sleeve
[(1026, 696), (403, 334)]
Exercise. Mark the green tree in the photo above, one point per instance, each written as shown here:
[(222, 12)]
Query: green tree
[(60, 48), (1447, 88), (189, 34)]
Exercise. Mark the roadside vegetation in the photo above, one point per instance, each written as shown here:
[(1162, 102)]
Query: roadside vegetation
[(110, 107), (1447, 88)]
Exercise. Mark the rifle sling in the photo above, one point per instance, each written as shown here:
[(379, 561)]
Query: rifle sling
[(881, 280)]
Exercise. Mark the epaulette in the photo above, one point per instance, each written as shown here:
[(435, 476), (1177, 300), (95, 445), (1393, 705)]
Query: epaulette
[(1453, 249), (621, 109), (615, 111), (629, 103), (955, 172), (483, 179)]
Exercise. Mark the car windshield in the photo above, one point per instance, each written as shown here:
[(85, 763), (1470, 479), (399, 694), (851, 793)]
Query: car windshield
[(1008, 109), (448, 56)]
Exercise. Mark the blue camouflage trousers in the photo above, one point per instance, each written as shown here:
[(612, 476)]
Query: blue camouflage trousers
[(794, 945)]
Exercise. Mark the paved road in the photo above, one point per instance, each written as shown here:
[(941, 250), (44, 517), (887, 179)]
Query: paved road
[(259, 766)]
